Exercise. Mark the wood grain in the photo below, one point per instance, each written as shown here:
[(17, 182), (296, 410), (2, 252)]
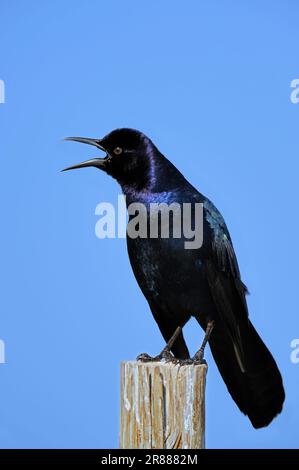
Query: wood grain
[(162, 406)]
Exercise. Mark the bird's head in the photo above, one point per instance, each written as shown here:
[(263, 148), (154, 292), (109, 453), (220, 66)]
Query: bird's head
[(129, 154)]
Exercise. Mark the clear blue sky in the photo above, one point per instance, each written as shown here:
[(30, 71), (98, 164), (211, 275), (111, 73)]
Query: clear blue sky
[(209, 82)]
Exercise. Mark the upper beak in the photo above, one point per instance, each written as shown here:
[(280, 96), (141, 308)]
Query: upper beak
[(96, 162)]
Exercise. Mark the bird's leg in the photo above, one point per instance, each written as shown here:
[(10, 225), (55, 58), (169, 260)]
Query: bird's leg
[(165, 353), (198, 357)]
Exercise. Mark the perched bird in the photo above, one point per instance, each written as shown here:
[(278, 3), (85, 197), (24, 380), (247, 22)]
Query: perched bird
[(179, 283)]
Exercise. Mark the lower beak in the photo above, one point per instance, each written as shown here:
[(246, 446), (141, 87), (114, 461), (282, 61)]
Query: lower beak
[(95, 162)]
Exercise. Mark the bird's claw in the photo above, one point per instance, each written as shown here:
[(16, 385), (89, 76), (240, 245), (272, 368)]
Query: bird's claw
[(164, 356), (189, 362), (144, 357), (198, 361)]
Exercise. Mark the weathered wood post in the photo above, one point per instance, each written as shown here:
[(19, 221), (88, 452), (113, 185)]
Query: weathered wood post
[(162, 406)]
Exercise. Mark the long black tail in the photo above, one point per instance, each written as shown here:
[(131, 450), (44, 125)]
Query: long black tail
[(258, 391)]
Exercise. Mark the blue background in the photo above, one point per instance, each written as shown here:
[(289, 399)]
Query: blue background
[(209, 82)]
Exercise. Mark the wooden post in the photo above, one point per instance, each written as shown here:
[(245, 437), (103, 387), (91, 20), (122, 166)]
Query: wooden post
[(162, 406)]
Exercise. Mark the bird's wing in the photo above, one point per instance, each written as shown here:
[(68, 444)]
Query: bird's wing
[(224, 279)]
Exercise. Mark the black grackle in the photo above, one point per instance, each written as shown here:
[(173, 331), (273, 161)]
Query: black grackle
[(203, 282)]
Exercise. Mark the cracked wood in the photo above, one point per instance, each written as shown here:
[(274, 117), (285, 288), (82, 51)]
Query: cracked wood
[(162, 406)]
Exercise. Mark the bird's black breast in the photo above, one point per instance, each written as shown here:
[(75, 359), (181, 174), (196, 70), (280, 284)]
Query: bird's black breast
[(164, 276), (170, 275)]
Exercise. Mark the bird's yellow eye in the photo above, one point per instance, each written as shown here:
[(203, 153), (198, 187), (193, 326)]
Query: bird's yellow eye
[(117, 150)]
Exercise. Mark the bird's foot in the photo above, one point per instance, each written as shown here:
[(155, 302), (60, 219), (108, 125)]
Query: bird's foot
[(191, 361), (198, 359), (144, 357), (164, 356)]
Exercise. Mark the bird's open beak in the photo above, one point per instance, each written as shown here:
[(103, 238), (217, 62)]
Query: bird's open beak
[(96, 162)]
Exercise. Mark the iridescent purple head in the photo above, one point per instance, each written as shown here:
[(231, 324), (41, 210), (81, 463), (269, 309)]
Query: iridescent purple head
[(129, 156)]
